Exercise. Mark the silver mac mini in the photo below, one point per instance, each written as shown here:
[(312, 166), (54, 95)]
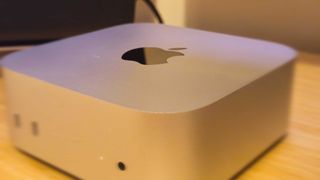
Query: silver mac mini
[(149, 102)]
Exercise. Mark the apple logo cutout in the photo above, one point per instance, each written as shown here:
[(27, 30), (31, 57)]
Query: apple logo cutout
[(151, 55)]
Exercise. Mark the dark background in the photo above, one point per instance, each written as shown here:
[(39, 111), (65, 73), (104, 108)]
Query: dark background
[(35, 21)]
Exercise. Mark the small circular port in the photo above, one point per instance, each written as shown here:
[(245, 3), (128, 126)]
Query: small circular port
[(121, 166)]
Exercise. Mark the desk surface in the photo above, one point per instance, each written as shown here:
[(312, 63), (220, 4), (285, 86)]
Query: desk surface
[(297, 157)]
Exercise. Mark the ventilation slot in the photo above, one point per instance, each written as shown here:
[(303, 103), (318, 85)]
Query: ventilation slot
[(17, 120), (35, 128)]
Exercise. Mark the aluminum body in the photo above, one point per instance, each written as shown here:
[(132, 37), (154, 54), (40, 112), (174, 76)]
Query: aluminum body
[(201, 116)]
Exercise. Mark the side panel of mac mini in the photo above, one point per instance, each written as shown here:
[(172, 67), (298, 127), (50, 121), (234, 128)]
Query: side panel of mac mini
[(203, 115), (89, 138)]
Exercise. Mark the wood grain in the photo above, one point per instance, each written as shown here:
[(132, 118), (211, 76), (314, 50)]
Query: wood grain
[(297, 157)]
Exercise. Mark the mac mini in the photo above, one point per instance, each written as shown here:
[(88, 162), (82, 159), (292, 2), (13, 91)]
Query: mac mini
[(149, 102)]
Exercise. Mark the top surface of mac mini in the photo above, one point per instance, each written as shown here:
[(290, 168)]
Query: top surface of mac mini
[(145, 101)]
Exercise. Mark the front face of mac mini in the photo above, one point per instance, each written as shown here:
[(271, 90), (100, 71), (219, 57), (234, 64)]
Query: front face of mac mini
[(144, 101)]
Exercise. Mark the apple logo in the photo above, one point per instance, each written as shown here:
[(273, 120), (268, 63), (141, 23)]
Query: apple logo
[(151, 55)]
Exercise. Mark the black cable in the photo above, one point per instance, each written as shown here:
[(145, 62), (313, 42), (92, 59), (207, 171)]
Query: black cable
[(154, 10)]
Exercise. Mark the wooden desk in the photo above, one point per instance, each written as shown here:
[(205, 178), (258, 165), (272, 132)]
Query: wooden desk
[(297, 157), (8, 49)]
